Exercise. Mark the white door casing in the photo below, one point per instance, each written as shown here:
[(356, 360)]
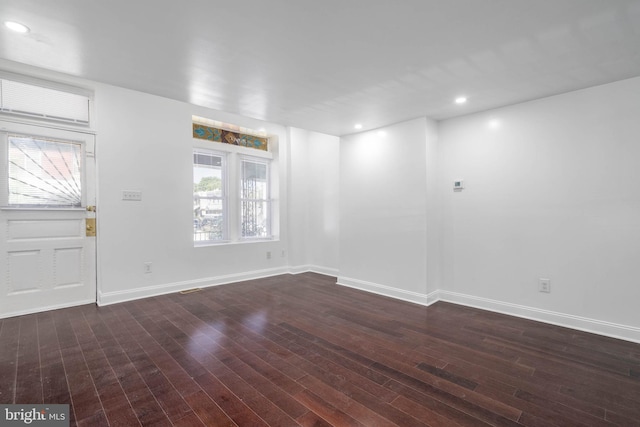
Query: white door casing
[(46, 260)]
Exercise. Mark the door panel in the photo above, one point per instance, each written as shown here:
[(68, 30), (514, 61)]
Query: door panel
[(46, 260), (19, 230)]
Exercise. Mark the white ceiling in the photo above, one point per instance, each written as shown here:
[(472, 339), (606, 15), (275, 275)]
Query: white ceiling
[(326, 64)]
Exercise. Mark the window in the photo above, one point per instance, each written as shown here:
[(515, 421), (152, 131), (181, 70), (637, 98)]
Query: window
[(209, 204), (230, 209), (235, 183), (255, 205), (44, 173)]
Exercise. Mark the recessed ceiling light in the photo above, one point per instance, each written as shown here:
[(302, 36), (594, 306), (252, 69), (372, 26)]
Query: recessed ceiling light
[(16, 26), (461, 100), (358, 126)]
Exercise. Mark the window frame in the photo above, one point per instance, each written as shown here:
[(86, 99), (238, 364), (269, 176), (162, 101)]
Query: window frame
[(232, 155), (267, 200), (223, 197)]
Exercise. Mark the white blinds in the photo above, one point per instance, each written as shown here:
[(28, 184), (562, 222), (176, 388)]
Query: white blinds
[(37, 101), (44, 172)]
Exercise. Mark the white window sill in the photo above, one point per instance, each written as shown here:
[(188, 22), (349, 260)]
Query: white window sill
[(235, 242)]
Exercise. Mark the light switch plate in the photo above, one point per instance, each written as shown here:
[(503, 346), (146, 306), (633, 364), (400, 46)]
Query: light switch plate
[(544, 285), (131, 195)]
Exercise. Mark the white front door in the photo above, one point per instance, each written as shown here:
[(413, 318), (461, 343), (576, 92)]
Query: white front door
[(47, 194)]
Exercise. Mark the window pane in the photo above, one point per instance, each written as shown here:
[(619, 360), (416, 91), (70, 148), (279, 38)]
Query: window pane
[(254, 194), (255, 218), (44, 172), (254, 181), (208, 197)]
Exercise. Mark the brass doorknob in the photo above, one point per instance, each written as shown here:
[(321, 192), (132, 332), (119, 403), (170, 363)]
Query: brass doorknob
[(91, 208)]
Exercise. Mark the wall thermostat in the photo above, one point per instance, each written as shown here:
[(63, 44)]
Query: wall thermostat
[(458, 184)]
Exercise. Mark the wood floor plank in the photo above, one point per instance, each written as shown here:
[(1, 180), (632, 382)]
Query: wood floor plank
[(122, 415), (230, 403), (480, 407), (423, 412), (554, 414), (28, 388), (9, 335), (311, 419), (208, 411), (80, 388), (301, 350), (417, 402), (509, 385), (345, 403), (325, 410)]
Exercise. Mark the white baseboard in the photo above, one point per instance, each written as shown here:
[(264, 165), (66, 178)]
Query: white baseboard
[(387, 291), (106, 298), (310, 268), (609, 329)]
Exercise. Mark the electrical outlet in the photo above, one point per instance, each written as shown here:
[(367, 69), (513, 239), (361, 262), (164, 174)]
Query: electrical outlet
[(131, 195), (268, 254), (544, 285), (147, 267), (282, 253)]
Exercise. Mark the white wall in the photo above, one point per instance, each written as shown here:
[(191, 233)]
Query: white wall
[(552, 192), (144, 143), (383, 209), (434, 211), (298, 198), (314, 201)]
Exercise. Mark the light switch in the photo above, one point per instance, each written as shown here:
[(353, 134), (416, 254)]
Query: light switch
[(131, 195)]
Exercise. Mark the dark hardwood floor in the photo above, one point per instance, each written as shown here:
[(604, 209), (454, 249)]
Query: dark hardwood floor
[(300, 350)]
